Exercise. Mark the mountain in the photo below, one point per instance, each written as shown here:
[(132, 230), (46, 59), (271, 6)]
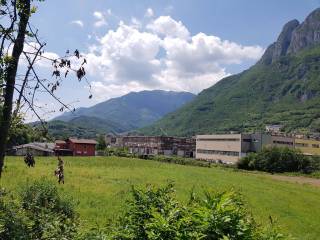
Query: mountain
[(129, 112), (282, 88)]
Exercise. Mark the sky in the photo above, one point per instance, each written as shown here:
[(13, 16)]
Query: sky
[(179, 45)]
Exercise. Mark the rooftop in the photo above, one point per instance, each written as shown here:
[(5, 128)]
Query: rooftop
[(86, 141)]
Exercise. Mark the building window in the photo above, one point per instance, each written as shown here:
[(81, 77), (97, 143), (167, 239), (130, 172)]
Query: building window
[(283, 143), (216, 152), (302, 145), (219, 139)]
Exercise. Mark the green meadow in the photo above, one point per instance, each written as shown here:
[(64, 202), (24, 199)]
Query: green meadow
[(100, 185)]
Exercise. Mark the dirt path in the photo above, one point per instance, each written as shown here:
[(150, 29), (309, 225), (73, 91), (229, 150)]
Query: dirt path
[(297, 179)]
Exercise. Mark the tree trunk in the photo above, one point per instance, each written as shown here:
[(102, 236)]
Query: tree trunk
[(10, 78)]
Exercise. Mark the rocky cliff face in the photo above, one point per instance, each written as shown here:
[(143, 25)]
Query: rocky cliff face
[(307, 34), (294, 37)]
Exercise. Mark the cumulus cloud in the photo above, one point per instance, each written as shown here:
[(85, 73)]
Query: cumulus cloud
[(126, 55), (161, 55), (166, 26), (78, 23), (100, 19)]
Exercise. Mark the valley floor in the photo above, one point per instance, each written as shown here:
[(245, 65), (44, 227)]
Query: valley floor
[(101, 185)]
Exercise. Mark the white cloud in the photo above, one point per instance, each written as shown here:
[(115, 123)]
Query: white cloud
[(100, 19), (166, 26), (78, 23), (149, 13), (136, 23), (162, 55), (101, 91), (44, 60), (125, 55)]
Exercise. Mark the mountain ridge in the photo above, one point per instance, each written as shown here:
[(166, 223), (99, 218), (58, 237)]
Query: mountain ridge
[(282, 88), (117, 115)]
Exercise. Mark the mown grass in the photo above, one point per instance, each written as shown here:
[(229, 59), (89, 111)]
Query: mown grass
[(101, 185)]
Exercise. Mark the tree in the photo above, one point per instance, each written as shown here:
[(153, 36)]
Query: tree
[(19, 42), (101, 143)]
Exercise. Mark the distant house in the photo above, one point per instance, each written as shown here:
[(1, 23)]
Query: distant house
[(274, 129), (35, 148), (75, 147)]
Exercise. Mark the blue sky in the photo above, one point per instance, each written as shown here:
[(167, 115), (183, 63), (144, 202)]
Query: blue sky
[(184, 45)]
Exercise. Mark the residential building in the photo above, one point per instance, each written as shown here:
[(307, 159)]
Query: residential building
[(76, 147), (35, 148), (274, 129)]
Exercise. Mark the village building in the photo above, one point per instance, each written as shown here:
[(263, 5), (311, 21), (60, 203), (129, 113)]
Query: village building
[(261, 140), (227, 148), (113, 140), (75, 147), (274, 129), (308, 146), (35, 148), (154, 145)]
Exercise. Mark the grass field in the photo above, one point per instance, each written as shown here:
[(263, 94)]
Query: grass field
[(101, 185)]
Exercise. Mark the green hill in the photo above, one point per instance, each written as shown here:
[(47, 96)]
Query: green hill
[(118, 115), (282, 88)]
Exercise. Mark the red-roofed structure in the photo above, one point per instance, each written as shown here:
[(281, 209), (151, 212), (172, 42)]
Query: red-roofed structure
[(75, 147)]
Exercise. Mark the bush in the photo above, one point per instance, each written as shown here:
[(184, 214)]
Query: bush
[(38, 213), (14, 224), (155, 214), (279, 160)]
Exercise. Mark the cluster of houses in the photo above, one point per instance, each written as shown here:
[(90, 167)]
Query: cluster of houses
[(226, 148), (69, 147)]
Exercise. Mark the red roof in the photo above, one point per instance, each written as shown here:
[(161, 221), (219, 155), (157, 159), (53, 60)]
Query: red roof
[(85, 141)]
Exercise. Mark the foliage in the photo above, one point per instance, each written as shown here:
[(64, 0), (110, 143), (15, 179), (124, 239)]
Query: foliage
[(117, 151), (279, 160), (125, 113), (101, 143), (39, 213), (21, 133), (286, 92), (155, 213), (101, 185), (123, 152)]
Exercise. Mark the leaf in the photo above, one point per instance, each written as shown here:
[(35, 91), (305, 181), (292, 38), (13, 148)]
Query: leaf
[(33, 9), (76, 53)]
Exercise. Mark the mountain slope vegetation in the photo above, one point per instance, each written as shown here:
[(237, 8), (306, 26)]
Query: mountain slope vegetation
[(118, 115), (282, 88)]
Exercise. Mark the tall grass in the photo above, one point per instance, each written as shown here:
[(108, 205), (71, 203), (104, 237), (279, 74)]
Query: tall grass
[(101, 185)]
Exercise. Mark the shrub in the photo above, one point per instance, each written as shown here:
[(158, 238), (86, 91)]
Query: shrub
[(14, 223), (278, 160), (39, 213), (154, 213)]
